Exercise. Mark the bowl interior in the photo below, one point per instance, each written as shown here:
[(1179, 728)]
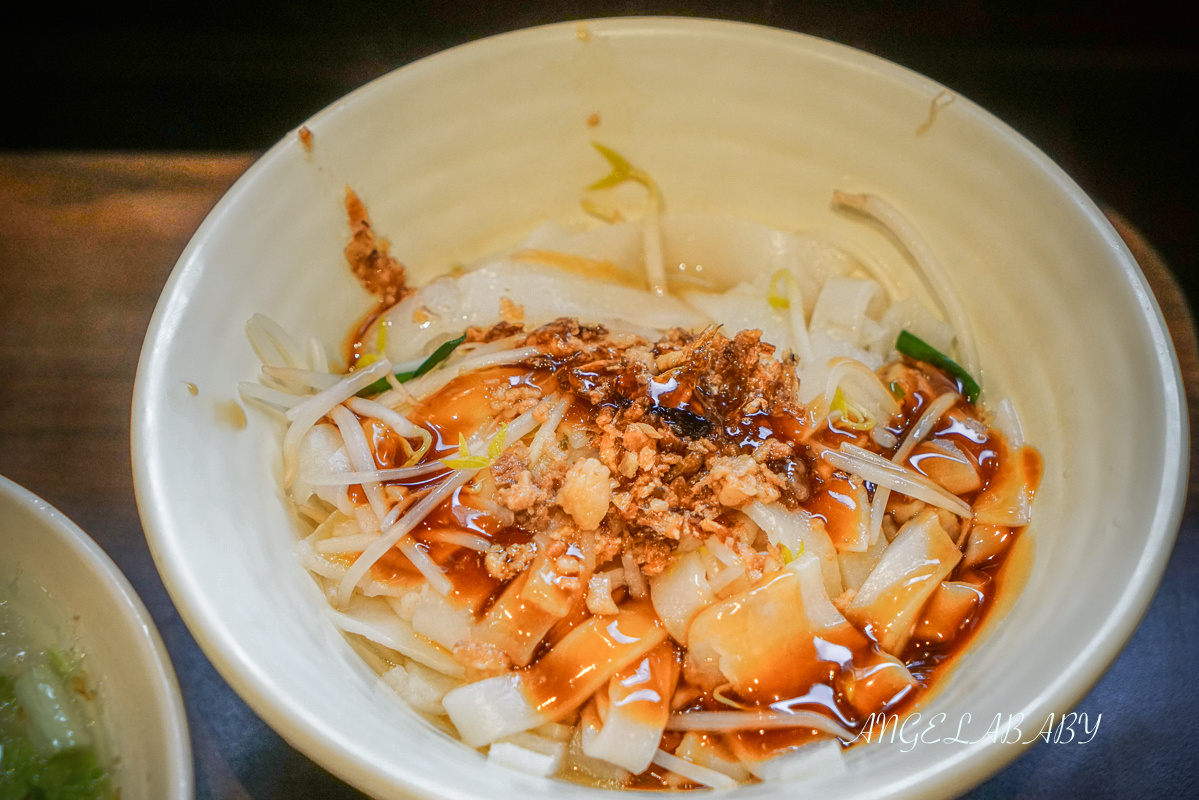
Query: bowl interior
[(65, 581), (467, 151)]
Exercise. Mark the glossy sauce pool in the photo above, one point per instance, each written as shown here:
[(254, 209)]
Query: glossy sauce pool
[(464, 406)]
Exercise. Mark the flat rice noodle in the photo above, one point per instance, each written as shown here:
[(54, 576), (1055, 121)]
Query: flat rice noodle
[(800, 532), (861, 387), (619, 245), (985, 542), (813, 377), (373, 619), (680, 592), (693, 772), (845, 507), (1007, 498), (856, 567), (322, 451), (809, 760), (445, 307), (544, 587), (947, 611), (516, 624), (888, 604), (709, 751), (947, 465), (728, 248), (774, 641), (311, 560), (602, 773), (559, 682), (420, 687), (911, 315), (875, 682), (744, 307), (634, 710), (843, 310), (522, 759), (440, 619)]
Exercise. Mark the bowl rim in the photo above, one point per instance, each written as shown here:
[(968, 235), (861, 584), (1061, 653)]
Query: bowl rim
[(115, 590), (949, 775)]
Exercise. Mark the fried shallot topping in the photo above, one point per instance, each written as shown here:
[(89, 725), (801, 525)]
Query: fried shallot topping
[(665, 440)]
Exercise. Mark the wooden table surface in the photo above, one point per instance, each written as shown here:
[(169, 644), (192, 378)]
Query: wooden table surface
[(86, 244)]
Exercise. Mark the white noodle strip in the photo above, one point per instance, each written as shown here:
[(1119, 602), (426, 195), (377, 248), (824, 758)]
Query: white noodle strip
[(615, 576), (502, 513), (721, 550), (1008, 422), (304, 381), (427, 384), (866, 259), (309, 412), (279, 386), (400, 507), (397, 395), (692, 771), (273, 345), (799, 326), (936, 409), (547, 430), (934, 273), (389, 417), (878, 508), (272, 399), (924, 426), (750, 720), (471, 349), (883, 437), (410, 365), (881, 472), (471, 540), (634, 579), (345, 544), (361, 458), (434, 574), (599, 596), (317, 511), (394, 474), (335, 395), (843, 368), (392, 534), (318, 359), (726, 577), (392, 419)]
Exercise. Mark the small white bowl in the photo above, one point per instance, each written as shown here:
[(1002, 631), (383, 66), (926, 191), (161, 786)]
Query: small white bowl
[(468, 150), (66, 581)]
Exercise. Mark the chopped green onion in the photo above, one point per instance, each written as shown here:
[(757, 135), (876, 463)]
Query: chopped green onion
[(438, 355), (915, 347), (896, 390)]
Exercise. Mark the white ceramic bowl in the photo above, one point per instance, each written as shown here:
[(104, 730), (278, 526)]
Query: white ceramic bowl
[(67, 583), (468, 150)]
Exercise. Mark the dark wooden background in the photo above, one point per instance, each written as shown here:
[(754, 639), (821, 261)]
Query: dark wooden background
[(127, 121)]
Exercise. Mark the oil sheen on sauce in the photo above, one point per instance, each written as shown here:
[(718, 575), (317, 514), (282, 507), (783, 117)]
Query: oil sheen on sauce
[(815, 679)]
